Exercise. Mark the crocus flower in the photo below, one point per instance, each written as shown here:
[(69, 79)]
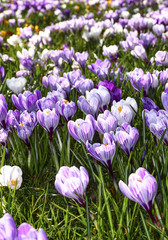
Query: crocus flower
[(11, 176), (104, 153), (83, 84), (161, 58), (49, 120), (66, 109), (26, 231), (3, 110), (111, 51), (27, 100), (82, 130), (2, 73), (139, 52), (127, 137), (158, 29), (68, 54), (8, 228), (124, 110), (16, 84), (149, 104), (71, 182), (3, 136), (90, 104), (164, 98), (101, 68), (106, 122), (45, 102), (81, 58), (157, 122), (142, 188)]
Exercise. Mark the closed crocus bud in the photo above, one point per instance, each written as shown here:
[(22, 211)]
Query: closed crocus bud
[(164, 98), (157, 122), (139, 52), (11, 176), (104, 153), (158, 29), (106, 122), (68, 54), (127, 137), (3, 136), (48, 119), (2, 73), (13, 118), (111, 51), (26, 231), (104, 95), (82, 130), (161, 58), (101, 68), (3, 110), (83, 84), (8, 228), (71, 182), (142, 188), (16, 84), (81, 58), (149, 104), (66, 109)]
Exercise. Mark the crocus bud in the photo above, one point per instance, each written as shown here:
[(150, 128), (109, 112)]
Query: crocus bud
[(106, 122), (71, 182), (26, 231)]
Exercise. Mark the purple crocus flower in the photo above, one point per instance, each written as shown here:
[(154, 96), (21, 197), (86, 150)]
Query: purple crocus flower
[(3, 110), (72, 182), (73, 76), (161, 58), (158, 29), (8, 228), (164, 98), (49, 120), (82, 130), (157, 122), (139, 80), (106, 122), (127, 137), (90, 104), (2, 73), (116, 93), (110, 52), (83, 84), (139, 52), (81, 58), (66, 109), (3, 136), (27, 100), (101, 68), (45, 102), (149, 104), (68, 54), (148, 39), (28, 64), (104, 153), (26, 231), (142, 188)]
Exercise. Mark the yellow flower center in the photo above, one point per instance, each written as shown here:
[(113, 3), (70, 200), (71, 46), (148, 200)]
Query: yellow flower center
[(65, 101), (14, 182), (139, 180), (119, 109), (22, 124)]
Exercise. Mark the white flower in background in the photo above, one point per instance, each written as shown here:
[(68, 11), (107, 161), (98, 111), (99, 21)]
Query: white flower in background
[(14, 40), (45, 36), (11, 176), (94, 32), (44, 55), (16, 84), (26, 53)]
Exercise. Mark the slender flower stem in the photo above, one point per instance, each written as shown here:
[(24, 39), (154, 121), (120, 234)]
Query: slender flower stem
[(113, 177), (153, 219), (55, 156), (68, 147), (107, 203), (59, 140), (29, 156)]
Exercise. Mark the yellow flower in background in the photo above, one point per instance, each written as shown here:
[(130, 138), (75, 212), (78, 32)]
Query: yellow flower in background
[(18, 31), (3, 33), (37, 29)]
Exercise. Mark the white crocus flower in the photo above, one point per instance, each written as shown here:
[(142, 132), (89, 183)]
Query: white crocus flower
[(11, 176), (16, 84)]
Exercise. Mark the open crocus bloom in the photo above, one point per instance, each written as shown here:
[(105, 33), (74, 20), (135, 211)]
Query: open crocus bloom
[(142, 188), (11, 176)]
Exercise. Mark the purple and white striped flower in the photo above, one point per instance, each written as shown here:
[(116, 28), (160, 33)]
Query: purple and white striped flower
[(142, 188), (72, 182), (106, 122), (66, 109), (127, 137), (82, 130)]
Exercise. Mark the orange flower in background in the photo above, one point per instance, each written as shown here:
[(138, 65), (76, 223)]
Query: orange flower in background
[(3, 33)]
